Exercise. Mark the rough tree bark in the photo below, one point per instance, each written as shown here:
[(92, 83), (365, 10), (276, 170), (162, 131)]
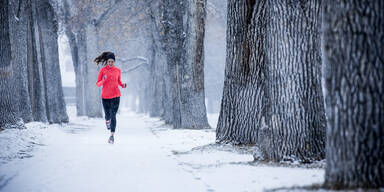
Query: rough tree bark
[(295, 114), (272, 92), (354, 93), (35, 68), (19, 36), (192, 70), (162, 103), (30, 61), (242, 105), (184, 31), (47, 30), (9, 117)]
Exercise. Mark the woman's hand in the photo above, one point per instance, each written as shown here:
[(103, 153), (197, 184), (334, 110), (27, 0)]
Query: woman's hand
[(124, 85)]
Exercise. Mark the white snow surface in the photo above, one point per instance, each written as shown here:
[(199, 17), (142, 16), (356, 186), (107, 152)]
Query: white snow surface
[(147, 156)]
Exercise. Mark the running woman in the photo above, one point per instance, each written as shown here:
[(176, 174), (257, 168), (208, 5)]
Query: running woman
[(109, 78)]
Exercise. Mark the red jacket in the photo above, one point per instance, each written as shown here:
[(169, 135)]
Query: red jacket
[(110, 85)]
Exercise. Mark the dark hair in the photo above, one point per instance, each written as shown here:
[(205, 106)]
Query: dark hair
[(103, 58)]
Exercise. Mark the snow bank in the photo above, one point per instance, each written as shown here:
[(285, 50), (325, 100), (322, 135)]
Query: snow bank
[(227, 167), (19, 143)]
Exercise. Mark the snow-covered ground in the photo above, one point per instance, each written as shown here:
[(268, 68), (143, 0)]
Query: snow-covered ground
[(147, 156)]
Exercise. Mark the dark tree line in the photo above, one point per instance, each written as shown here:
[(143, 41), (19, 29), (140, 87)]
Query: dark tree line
[(275, 66), (30, 74)]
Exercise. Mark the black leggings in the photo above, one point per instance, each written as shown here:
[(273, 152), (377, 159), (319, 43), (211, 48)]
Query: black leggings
[(110, 109)]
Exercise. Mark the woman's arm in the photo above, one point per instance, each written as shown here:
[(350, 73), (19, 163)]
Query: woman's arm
[(100, 79), (123, 85)]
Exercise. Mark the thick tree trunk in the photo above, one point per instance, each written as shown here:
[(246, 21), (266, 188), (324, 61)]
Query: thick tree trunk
[(162, 78), (18, 36), (193, 110), (242, 105), (35, 68), (272, 91), (47, 25), (173, 21), (354, 93), (295, 116), (184, 33), (9, 117)]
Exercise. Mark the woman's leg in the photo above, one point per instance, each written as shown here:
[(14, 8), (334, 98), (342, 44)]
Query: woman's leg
[(114, 107), (107, 111)]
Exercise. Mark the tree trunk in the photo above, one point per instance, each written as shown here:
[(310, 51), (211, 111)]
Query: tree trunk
[(184, 33), (9, 117), (35, 68), (162, 104), (354, 93), (18, 37), (79, 51), (242, 106), (272, 92), (295, 113), (193, 110), (92, 92), (47, 29)]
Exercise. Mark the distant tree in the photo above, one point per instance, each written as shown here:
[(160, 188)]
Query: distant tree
[(354, 93), (182, 42), (214, 51)]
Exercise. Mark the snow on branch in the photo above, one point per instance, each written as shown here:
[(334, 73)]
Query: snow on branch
[(145, 64), (135, 58)]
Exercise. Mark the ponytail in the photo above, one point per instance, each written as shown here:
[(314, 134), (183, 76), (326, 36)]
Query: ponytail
[(103, 58)]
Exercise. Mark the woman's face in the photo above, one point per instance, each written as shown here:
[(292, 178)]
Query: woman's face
[(110, 62)]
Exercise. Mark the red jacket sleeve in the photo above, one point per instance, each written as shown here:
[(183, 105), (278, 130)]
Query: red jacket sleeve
[(100, 78), (119, 79)]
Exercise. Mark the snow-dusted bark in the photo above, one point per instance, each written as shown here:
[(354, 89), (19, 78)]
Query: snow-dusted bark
[(19, 36), (192, 79), (295, 114), (272, 91), (243, 95), (32, 68), (8, 108), (182, 31), (354, 93), (162, 101), (47, 33)]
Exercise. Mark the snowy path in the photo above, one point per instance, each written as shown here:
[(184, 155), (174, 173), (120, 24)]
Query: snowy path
[(83, 161), (146, 156)]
